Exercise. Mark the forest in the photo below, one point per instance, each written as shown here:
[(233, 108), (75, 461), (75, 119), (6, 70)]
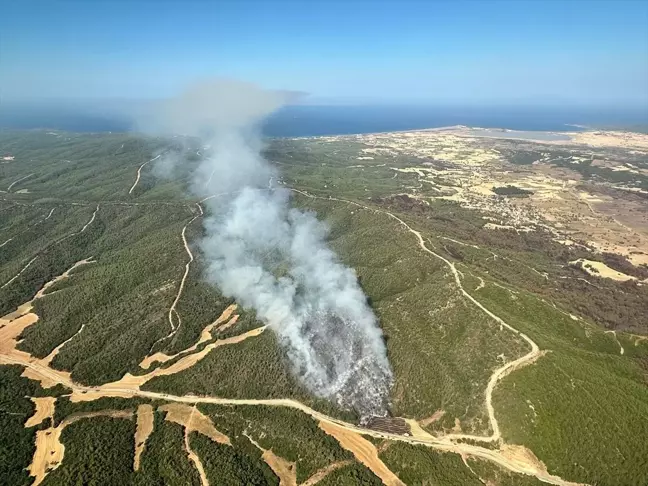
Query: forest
[(70, 200)]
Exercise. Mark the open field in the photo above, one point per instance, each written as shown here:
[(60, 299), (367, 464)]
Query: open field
[(494, 309)]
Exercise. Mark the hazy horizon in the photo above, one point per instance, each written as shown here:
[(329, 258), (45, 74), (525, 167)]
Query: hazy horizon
[(299, 120)]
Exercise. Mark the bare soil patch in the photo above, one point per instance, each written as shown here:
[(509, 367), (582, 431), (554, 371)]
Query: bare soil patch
[(144, 429), (285, 470), (44, 410), (49, 448), (363, 450), (193, 420), (205, 336), (600, 269)]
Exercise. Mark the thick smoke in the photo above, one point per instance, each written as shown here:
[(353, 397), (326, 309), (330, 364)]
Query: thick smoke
[(274, 259)]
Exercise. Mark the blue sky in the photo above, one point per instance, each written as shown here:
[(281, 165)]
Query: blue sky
[(520, 52)]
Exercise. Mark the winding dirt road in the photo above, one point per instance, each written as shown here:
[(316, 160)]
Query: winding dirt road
[(6, 241), (513, 464), (499, 373), (523, 463), (28, 227), (19, 273), (85, 227), (139, 173), (92, 218), (614, 334), (17, 181), (129, 387), (172, 309)]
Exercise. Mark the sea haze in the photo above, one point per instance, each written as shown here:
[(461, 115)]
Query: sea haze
[(315, 120)]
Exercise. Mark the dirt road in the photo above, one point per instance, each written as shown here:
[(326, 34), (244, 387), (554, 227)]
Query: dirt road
[(519, 462), (139, 173), (444, 444), (92, 218), (17, 181), (145, 424), (20, 273), (193, 457), (499, 373), (172, 309)]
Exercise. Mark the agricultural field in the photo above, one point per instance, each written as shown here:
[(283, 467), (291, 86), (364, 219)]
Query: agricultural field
[(509, 276)]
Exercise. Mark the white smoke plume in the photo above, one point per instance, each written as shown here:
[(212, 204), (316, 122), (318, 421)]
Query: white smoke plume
[(275, 259)]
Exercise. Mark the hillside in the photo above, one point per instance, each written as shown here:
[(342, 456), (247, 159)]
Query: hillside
[(515, 326)]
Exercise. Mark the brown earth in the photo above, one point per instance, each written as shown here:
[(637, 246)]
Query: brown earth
[(145, 422), (205, 336), (285, 470), (193, 457), (363, 450), (194, 421), (44, 410), (348, 435), (49, 451)]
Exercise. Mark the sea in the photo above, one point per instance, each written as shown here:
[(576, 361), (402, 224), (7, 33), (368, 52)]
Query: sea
[(319, 120)]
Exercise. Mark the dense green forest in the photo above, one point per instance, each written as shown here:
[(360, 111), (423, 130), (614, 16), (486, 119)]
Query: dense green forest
[(17, 444), (67, 197)]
